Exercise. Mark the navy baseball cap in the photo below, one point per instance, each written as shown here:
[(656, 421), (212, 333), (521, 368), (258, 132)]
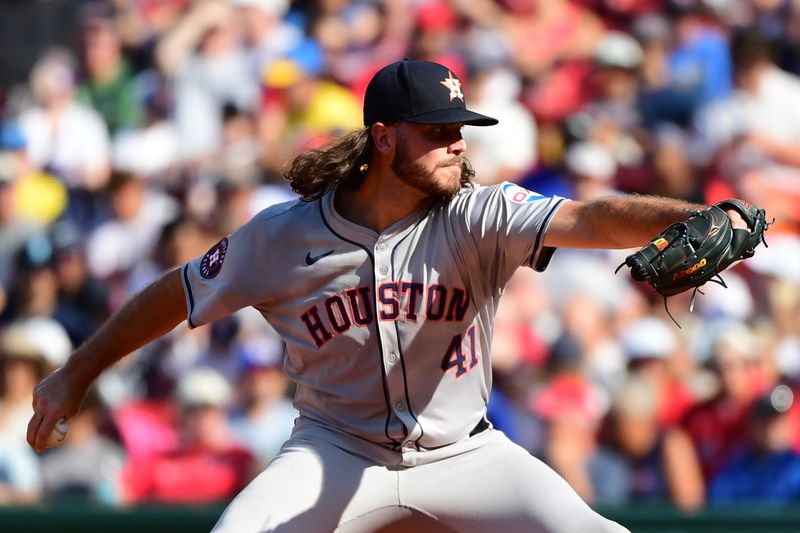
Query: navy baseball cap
[(418, 91)]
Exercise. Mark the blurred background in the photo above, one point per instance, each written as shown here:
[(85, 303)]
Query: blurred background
[(135, 133)]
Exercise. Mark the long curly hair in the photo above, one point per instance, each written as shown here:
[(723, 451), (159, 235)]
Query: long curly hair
[(344, 161)]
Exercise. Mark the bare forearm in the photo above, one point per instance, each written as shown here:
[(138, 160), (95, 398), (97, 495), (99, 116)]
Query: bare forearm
[(615, 221), (148, 315)]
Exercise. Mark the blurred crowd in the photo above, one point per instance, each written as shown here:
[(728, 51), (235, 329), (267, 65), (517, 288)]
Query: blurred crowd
[(135, 133)]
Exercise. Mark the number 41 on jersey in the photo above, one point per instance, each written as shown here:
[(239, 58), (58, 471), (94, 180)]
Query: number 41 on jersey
[(456, 356)]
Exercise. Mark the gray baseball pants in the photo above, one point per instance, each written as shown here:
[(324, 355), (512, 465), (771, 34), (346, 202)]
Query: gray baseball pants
[(324, 481)]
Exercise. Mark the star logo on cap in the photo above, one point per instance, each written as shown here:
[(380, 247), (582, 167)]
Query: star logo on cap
[(454, 84)]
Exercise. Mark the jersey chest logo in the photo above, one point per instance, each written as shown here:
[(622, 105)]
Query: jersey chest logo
[(211, 263), (310, 260)]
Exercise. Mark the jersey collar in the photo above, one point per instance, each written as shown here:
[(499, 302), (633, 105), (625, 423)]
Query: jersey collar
[(365, 235)]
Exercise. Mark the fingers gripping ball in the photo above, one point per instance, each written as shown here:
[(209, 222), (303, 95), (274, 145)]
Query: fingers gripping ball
[(58, 434)]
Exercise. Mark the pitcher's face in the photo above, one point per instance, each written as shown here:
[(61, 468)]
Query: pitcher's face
[(429, 157)]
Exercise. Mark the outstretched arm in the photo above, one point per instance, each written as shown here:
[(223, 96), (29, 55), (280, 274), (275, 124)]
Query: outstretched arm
[(148, 315), (625, 221)]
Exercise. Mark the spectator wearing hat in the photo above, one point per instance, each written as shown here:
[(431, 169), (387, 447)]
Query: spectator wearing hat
[(15, 229), (617, 57), (767, 469), (613, 119), (571, 408), (300, 109), (29, 350), (83, 302), (592, 169), (264, 417), (206, 467), (436, 35), (654, 353)]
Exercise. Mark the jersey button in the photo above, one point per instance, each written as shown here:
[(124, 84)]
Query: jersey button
[(384, 270), (392, 357), (400, 406), (380, 246)]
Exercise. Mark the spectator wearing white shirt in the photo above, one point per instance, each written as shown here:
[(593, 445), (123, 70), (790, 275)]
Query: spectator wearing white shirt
[(140, 212), (265, 417), (63, 135), (755, 134), (510, 150), (206, 56), (29, 349)]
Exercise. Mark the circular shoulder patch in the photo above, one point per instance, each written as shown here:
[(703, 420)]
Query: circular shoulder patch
[(211, 263), (519, 195)]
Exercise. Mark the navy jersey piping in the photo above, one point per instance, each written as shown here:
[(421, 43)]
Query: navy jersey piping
[(189, 292), (378, 336), (541, 231), (399, 344)]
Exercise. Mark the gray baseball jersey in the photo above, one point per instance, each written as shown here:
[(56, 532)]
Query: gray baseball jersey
[(387, 335)]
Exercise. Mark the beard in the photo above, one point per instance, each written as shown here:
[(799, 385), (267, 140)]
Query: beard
[(417, 176)]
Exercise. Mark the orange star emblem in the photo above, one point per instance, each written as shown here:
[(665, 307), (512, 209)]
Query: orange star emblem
[(454, 84)]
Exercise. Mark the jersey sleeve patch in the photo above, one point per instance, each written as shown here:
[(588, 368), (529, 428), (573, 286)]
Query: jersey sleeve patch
[(211, 263), (520, 195)]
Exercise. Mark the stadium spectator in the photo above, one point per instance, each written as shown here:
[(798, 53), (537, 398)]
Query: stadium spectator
[(206, 58), (29, 349), (87, 467), (641, 462), (571, 407), (15, 229), (34, 287), (653, 350), (269, 36), (108, 85), (82, 300), (718, 426), (754, 133), (206, 467), (62, 134), (591, 168), (139, 213), (510, 151), (767, 470), (265, 416), (301, 109)]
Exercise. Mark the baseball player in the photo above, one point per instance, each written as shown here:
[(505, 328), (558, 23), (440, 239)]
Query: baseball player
[(383, 279)]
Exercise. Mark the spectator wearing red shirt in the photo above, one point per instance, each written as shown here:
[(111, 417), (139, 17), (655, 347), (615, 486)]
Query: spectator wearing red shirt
[(651, 346), (206, 466), (718, 427)]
